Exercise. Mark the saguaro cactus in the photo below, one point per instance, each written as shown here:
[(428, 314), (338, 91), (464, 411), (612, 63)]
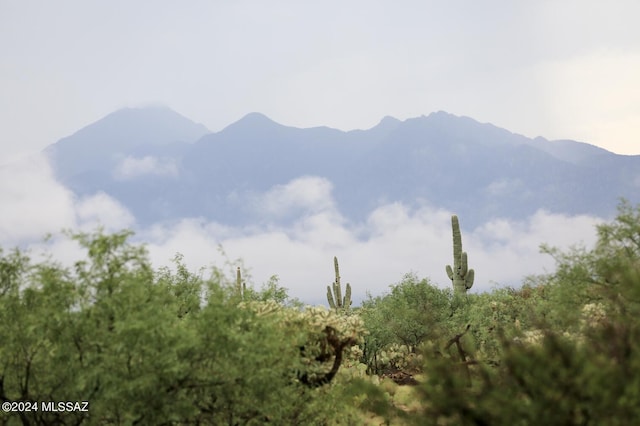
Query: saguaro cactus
[(460, 275), (335, 299), (240, 286)]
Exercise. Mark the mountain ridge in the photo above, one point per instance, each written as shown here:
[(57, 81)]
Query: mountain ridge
[(477, 169)]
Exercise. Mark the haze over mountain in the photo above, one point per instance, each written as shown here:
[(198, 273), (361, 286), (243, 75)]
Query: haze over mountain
[(162, 166), (286, 200)]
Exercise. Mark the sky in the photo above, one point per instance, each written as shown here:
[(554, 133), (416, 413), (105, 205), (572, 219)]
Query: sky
[(557, 69)]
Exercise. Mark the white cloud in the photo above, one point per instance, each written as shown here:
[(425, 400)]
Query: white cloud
[(397, 241), (509, 250), (504, 187), (307, 193), (131, 167), (394, 239), (102, 210), (32, 202)]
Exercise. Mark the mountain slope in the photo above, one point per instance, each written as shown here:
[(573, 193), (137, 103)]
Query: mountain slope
[(478, 170), (98, 147)]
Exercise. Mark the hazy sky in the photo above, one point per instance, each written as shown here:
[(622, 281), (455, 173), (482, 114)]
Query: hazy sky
[(559, 69)]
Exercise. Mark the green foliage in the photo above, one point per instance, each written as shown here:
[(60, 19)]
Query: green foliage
[(460, 275), (559, 380), (414, 311), (586, 276), (335, 299), (168, 346), (165, 347), (272, 291), (567, 366), (491, 315)]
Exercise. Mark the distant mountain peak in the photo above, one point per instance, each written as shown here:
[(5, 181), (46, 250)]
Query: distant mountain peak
[(386, 125), (142, 109), (253, 123), (441, 113), (153, 124), (256, 118), (99, 145), (254, 115), (388, 120), (143, 116)]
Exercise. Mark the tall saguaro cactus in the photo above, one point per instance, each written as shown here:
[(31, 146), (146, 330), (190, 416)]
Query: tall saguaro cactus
[(335, 299), (241, 286), (460, 275)]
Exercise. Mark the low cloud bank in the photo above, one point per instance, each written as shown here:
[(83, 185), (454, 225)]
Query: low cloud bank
[(374, 254), (399, 240), (132, 167), (33, 204)]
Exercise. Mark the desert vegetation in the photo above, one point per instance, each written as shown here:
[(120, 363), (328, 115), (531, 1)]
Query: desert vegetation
[(176, 347)]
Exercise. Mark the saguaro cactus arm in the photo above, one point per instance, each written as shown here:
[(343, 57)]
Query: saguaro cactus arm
[(468, 279), (450, 272), (332, 303), (346, 302)]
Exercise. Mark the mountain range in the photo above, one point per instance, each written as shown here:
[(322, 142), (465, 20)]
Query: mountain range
[(163, 167)]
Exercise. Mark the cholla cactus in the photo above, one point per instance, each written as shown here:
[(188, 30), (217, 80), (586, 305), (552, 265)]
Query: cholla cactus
[(337, 301), (326, 341), (593, 315), (460, 275)]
